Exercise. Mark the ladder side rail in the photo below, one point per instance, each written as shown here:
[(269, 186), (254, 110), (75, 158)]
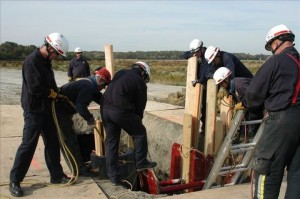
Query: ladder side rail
[(224, 150)]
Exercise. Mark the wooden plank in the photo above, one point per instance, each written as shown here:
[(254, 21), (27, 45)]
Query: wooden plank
[(190, 90), (220, 134), (98, 135), (193, 99), (226, 110), (211, 109), (130, 142), (187, 143), (197, 114), (109, 60)]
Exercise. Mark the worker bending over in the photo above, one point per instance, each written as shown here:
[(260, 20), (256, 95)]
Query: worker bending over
[(80, 93), (236, 87), (123, 106)]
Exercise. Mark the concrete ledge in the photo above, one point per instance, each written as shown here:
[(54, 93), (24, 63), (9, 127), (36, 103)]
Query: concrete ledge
[(164, 127)]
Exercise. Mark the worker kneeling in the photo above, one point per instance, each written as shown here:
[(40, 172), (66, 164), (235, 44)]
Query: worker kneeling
[(80, 94)]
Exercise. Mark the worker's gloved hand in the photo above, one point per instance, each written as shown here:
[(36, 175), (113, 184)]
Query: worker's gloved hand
[(194, 82), (52, 94), (91, 125), (222, 93), (238, 106)]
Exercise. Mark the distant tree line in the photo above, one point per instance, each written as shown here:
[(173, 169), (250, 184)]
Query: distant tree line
[(12, 51)]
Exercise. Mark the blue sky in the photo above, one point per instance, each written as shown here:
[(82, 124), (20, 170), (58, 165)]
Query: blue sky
[(233, 26)]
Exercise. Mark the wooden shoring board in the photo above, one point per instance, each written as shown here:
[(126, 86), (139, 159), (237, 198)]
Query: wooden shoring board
[(191, 119), (197, 114), (109, 59), (226, 110), (210, 123), (186, 142), (99, 138)]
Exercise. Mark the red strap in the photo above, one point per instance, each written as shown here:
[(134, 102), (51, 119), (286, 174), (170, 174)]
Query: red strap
[(296, 91)]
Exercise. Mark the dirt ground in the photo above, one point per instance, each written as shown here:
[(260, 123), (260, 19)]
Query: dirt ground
[(11, 84)]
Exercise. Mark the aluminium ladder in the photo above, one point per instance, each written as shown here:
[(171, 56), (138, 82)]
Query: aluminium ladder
[(226, 147)]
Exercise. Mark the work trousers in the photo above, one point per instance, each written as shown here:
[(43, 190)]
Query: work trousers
[(278, 148), (114, 121), (66, 125), (36, 124)]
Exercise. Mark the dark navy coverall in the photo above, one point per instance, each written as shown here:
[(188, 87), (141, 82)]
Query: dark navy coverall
[(237, 68), (78, 68), (123, 107), (81, 93), (38, 79), (279, 147)]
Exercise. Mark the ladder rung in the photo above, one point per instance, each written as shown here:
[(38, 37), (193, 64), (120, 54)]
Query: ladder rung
[(242, 145), (233, 170), (251, 122), (242, 150)]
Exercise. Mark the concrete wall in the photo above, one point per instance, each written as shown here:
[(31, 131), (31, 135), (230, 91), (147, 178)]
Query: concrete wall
[(163, 129)]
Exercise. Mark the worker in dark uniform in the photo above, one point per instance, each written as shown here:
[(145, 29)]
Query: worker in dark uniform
[(38, 90), (236, 87), (198, 50), (78, 67), (123, 107), (80, 93), (276, 86), (217, 58)]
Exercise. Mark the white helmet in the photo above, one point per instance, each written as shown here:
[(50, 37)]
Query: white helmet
[(221, 74), (146, 68), (276, 32), (211, 53), (78, 50), (195, 45), (58, 42)]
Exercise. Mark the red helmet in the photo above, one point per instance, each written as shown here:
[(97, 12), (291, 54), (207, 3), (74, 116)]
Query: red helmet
[(105, 74)]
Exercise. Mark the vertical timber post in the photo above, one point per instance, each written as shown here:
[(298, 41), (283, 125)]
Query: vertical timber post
[(109, 59), (210, 123), (191, 116)]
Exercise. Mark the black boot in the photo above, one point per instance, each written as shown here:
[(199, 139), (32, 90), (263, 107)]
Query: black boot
[(15, 189), (63, 180), (85, 171)]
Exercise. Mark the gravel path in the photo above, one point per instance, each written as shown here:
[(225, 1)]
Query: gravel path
[(11, 84)]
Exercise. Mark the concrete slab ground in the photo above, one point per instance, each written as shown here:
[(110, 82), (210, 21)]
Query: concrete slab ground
[(36, 183)]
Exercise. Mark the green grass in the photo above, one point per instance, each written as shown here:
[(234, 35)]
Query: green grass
[(171, 72)]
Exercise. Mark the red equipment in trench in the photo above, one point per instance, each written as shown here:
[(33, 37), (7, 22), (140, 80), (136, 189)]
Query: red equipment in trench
[(199, 169)]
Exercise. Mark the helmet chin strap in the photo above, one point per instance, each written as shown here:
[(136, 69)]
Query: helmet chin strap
[(49, 53), (274, 51)]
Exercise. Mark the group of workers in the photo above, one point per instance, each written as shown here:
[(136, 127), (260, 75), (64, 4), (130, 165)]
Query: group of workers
[(272, 93), (274, 89), (44, 103)]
